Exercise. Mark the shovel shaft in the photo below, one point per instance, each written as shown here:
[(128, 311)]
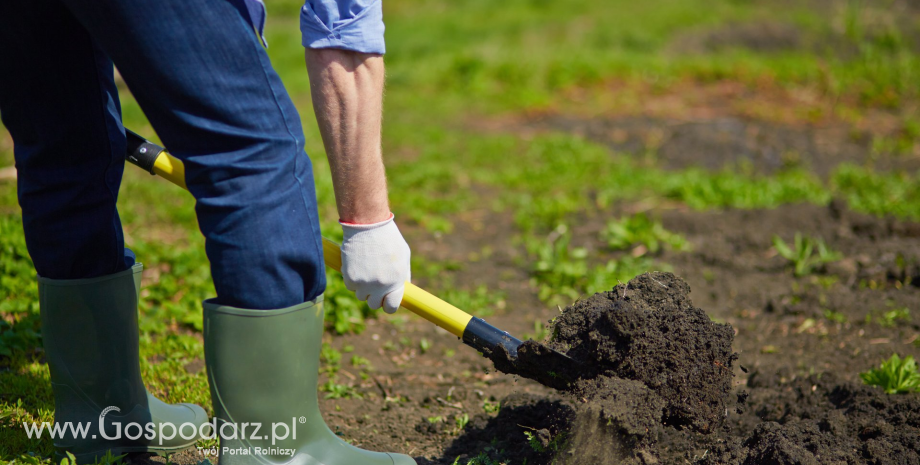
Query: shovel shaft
[(474, 332), (415, 299)]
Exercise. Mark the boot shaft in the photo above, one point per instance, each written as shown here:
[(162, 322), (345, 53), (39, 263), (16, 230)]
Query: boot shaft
[(263, 365), (90, 337)]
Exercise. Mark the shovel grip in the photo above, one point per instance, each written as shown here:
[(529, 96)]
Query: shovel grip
[(142, 152), (155, 159)]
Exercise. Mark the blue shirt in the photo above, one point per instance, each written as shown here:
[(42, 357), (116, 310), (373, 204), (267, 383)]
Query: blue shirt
[(355, 25)]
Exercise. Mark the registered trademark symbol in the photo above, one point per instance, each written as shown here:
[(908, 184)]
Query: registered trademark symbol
[(303, 420)]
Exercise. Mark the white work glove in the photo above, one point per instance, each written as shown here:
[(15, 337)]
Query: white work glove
[(375, 263)]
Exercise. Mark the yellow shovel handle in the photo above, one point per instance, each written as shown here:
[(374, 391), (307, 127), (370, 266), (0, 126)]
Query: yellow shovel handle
[(415, 299)]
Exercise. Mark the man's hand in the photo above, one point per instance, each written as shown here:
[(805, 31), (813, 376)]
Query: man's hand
[(375, 263), (347, 89)]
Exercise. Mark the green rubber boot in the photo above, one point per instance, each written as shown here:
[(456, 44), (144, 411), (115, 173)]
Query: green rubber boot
[(89, 331), (263, 367)]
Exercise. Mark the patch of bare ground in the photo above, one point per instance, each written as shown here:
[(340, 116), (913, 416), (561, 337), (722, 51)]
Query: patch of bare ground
[(731, 142), (721, 124), (875, 20), (759, 36)]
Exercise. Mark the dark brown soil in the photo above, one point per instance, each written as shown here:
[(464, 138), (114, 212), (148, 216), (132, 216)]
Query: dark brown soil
[(731, 141), (819, 419), (646, 331), (649, 331), (663, 349), (504, 433), (644, 358)]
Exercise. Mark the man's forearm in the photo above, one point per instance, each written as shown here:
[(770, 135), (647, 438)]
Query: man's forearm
[(347, 89)]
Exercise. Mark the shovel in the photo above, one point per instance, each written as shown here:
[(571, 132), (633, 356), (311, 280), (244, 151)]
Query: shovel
[(499, 346)]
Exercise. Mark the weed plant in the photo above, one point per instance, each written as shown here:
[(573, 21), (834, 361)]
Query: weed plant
[(641, 231), (889, 318), (554, 444), (806, 254), (562, 272), (895, 375)]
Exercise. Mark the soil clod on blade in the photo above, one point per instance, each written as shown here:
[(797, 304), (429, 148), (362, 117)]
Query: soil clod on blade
[(647, 330), (634, 360)]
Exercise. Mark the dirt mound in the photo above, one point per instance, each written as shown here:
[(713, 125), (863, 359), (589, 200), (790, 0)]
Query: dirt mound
[(649, 331), (642, 358)]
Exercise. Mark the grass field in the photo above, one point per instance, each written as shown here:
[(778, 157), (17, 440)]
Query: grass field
[(470, 85)]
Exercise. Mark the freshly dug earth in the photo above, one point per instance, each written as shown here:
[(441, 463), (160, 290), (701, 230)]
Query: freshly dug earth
[(643, 357), (656, 388), (818, 419), (649, 331)]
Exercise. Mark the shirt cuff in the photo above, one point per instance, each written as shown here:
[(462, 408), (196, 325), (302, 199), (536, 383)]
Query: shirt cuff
[(361, 33)]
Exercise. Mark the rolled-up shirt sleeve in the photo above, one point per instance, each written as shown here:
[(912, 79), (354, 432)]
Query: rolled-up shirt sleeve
[(347, 24)]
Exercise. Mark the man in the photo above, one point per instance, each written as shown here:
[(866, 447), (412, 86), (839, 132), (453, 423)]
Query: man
[(205, 83)]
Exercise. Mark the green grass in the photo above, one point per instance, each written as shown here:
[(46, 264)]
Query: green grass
[(453, 64), (334, 390), (480, 301), (836, 317)]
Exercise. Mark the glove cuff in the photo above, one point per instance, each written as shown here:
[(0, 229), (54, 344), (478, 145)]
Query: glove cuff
[(366, 227)]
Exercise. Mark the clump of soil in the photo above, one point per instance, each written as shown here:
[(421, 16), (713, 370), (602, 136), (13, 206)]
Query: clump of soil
[(619, 419), (647, 331), (638, 358), (624, 407)]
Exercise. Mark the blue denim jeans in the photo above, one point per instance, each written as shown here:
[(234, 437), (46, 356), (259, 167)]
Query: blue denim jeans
[(200, 74)]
